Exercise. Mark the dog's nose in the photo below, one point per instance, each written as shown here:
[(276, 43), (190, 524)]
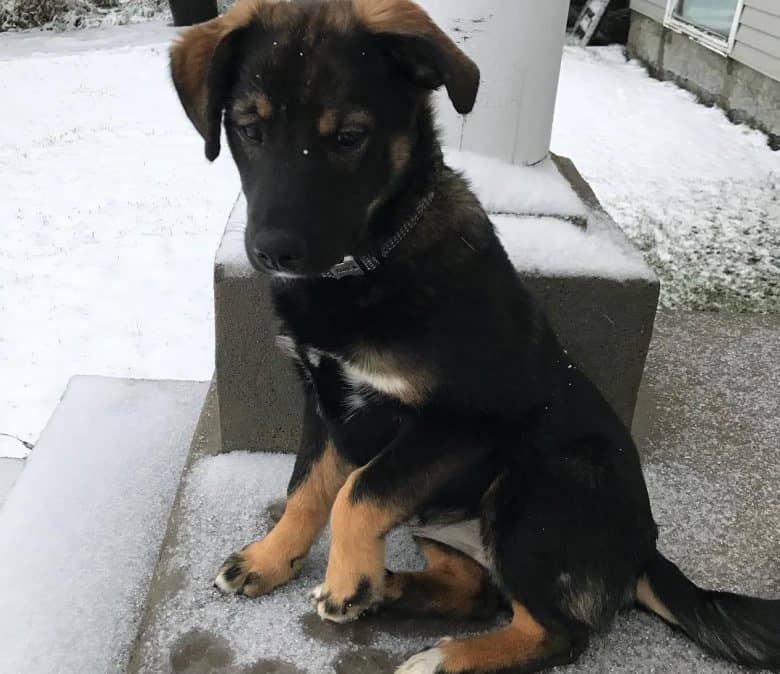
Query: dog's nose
[(277, 253)]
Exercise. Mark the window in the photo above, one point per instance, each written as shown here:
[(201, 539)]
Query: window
[(714, 23)]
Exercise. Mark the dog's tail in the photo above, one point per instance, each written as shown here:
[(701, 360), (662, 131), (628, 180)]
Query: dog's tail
[(741, 629)]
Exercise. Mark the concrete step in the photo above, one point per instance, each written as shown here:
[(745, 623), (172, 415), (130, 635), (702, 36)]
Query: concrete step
[(80, 532), (709, 429), (600, 295), (10, 470)]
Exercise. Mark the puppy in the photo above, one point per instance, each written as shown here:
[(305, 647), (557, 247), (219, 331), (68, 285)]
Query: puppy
[(435, 387)]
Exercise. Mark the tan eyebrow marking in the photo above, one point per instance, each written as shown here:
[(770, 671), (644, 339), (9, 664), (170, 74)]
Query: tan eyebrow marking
[(264, 106), (328, 122), (359, 118), (247, 110)]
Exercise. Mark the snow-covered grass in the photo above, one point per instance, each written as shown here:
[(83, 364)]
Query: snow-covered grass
[(699, 195), (110, 215)]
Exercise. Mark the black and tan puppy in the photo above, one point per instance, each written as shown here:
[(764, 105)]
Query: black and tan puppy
[(435, 387)]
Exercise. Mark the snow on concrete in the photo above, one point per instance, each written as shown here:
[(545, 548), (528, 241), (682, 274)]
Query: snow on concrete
[(81, 529), (536, 245), (226, 505), (10, 469), (522, 190), (555, 247), (698, 194), (224, 508), (110, 217)]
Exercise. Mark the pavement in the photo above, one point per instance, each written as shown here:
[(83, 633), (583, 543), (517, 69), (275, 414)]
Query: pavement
[(708, 426)]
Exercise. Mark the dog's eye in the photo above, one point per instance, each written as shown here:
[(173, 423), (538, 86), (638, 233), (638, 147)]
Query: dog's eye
[(252, 132), (350, 139)]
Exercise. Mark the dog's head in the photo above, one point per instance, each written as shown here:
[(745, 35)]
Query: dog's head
[(320, 101)]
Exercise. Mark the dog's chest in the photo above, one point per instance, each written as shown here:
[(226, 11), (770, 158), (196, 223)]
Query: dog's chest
[(359, 375)]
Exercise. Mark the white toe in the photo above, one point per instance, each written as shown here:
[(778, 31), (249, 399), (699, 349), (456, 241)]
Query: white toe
[(427, 662), (223, 585)]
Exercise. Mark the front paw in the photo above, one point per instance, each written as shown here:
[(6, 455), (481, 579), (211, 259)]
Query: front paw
[(344, 607), (253, 571), (427, 662)]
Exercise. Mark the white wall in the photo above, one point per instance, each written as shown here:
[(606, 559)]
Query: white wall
[(518, 45)]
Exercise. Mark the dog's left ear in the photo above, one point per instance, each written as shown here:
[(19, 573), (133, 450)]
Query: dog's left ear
[(201, 62), (429, 57)]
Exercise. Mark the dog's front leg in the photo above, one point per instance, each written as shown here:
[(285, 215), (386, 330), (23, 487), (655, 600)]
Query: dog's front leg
[(376, 498), (318, 475)]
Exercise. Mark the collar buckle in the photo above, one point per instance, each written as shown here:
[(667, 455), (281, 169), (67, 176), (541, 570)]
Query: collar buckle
[(347, 267)]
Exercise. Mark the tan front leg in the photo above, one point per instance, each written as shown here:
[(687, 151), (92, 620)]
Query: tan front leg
[(354, 581), (268, 563)]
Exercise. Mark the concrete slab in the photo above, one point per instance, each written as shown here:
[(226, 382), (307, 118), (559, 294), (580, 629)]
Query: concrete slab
[(80, 532), (600, 295), (10, 470), (709, 426)]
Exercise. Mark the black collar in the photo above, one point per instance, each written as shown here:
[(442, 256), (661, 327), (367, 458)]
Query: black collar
[(361, 265)]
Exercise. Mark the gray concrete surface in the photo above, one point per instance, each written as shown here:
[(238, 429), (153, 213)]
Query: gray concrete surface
[(80, 532), (708, 426), (605, 324), (746, 95), (10, 469)]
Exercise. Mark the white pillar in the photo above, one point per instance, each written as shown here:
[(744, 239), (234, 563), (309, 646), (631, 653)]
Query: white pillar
[(518, 45)]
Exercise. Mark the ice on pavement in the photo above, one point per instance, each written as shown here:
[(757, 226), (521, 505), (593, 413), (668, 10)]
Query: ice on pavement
[(81, 529)]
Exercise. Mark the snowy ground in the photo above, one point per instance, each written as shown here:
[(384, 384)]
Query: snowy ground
[(699, 196), (110, 214)]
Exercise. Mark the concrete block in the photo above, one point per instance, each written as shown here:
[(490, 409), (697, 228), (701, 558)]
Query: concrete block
[(694, 67), (259, 398), (605, 323), (753, 98), (645, 41)]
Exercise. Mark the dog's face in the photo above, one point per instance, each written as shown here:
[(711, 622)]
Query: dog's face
[(320, 103)]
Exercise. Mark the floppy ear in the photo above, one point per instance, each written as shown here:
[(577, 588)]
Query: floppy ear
[(424, 51), (201, 61)]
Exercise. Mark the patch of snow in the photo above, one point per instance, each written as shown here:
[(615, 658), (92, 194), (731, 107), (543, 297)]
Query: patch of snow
[(555, 247), (520, 190), (12, 447), (110, 218), (225, 504), (81, 529), (700, 196)]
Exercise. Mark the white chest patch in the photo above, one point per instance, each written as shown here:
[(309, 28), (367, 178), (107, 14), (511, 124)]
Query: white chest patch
[(465, 537)]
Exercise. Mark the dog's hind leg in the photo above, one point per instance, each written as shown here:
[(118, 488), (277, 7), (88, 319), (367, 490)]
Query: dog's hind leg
[(521, 647), (268, 563), (451, 586)]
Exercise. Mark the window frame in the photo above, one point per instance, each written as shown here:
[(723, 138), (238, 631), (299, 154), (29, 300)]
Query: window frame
[(717, 43)]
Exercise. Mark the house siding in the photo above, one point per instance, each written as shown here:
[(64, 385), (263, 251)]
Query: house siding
[(654, 9), (757, 43), (758, 37)]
